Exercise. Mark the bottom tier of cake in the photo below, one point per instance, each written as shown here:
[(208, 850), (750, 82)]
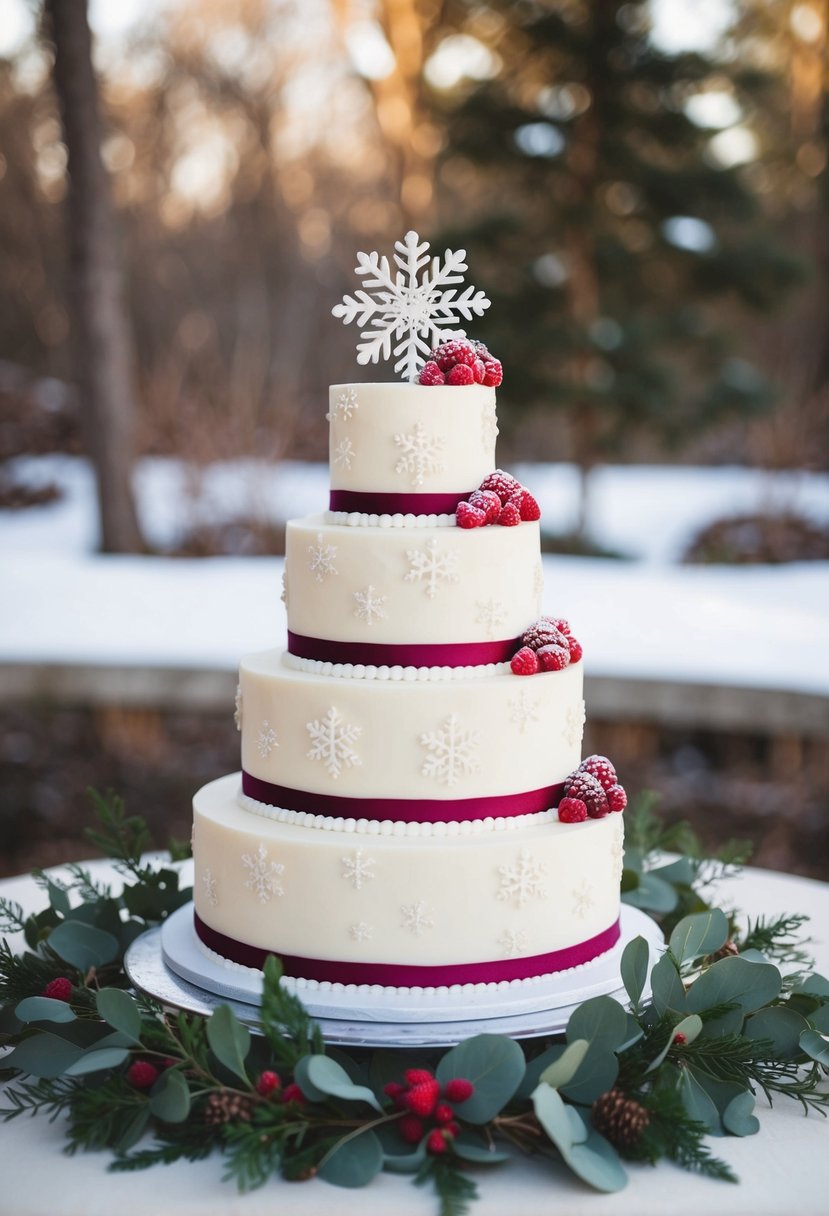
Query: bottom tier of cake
[(493, 904)]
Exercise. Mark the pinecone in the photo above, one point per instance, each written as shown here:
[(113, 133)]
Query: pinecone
[(727, 951), (226, 1107), (620, 1119)]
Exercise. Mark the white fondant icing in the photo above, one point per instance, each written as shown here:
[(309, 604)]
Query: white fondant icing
[(359, 519), (237, 707), (359, 671)]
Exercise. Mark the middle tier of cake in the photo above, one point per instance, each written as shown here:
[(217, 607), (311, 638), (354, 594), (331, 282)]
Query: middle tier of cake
[(402, 748)]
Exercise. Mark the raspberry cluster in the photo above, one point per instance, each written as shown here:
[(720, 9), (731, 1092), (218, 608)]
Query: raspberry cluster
[(461, 361), (428, 1106), (499, 499), (270, 1085), (591, 791), (548, 645)]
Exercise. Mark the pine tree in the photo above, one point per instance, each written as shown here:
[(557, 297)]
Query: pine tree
[(616, 250)]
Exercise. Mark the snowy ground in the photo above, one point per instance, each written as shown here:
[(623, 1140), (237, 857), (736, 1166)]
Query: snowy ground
[(762, 627)]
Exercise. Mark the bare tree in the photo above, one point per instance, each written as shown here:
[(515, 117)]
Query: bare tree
[(102, 338)]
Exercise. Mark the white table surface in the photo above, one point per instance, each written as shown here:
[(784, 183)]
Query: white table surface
[(783, 1169)]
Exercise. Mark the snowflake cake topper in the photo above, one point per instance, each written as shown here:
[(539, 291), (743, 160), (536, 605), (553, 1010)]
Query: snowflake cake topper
[(414, 306)]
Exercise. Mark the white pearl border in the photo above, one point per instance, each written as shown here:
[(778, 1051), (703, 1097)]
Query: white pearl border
[(360, 519), (368, 671)]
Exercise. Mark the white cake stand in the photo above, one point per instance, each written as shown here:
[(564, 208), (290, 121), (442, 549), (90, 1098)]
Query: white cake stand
[(171, 965)]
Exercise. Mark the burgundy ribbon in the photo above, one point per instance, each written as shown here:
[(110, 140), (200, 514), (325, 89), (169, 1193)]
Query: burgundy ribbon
[(401, 975), (396, 504), (439, 654), (405, 810)]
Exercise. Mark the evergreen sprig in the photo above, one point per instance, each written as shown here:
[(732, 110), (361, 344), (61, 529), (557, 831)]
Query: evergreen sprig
[(455, 1191)]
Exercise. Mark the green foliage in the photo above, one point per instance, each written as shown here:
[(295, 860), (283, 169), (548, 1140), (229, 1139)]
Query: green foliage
[(495, 1066), (454, 1190), (290, 1032)]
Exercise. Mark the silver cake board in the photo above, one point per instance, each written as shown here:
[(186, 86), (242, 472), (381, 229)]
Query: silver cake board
[(171, 965)]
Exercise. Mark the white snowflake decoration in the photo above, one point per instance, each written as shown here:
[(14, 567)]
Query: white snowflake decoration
[(513, 942), (208, 879), (412, 306), (420, 453), (266, 740), (574, 721), (264, 874), (582, 900), (369, 605), (451, 752), (332, 738), (237, 710), (491, 614), (284, 595), (522, 879), (432, 566), (343, 454), (361, 932), (344, 407), (358, 868), (417, 918), (617, 851), (523, 710), (322, 556)]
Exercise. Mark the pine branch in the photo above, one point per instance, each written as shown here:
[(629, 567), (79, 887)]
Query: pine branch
[(289, 1030), (12, 917), (33, 1097), (101, 1116), (750, 1062), (252, 1155), (778, 938), (455, 1191), (27, 974), (672, 1134), (191, 1142), (122, 837)]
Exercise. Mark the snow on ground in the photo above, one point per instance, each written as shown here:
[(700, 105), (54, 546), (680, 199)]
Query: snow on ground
[(743, 626)]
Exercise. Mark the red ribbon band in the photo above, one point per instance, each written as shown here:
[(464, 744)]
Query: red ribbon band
[(393, 654), (403, 810), (399, 975), (396, 504)]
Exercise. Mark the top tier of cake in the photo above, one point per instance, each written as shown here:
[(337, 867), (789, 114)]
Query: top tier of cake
[(408, 449)]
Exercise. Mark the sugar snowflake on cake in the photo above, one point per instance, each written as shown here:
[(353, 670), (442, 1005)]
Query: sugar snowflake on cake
[(420, 453), (582, 899), (416, 917), (211, 894), (452, 752), (432, 566), (358, 868), (360, 932), (263, 874), (369, 605), (266, 740), (321, 559), (237, 707), (513, 942), (404, 312), (522, 879), (332, 738), (523, 710), (491, 614), (343, 406), (343, 454)]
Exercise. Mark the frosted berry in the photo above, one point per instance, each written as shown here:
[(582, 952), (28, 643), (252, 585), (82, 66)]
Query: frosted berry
[(418, 1076), (59, 989), (572, 810), (141, 1074), (528, 508), (510, 515), (559, 623), (543, 633), (576, 649), (430, 373), (488, 501), (443, 1113), (267, 1083), (461, 373), (411, 1129), (481, 351), (617, 799), (467, 516), (292, 1093), (422, 1099), (553, 658), (680, 1039), (436, 1143), (478, 371), (493, 373), (459, 1089), (455, 352), (503, 484), (524, 662), (600, 768), (585, 786)]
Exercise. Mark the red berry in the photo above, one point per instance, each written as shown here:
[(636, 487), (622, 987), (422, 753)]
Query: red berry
[(576, 649), (451, 1129), (680, 1039), (493, 373), (459, 1089), (430, 373), (443, 1113), (141, 1074), (461, 374), (481, 351), (423, 1098), (292, 1093), (502, 483), (553, 658), (436, 1143), (559, 623), (411, 1129), (392, 1088), (584, 786), (454, 352), (487, 501), (600, 768), (544, 633), (467, 516), (572, 810), (617, 799), (510, 516), (478, 371), (528, 508), (418, 1076), (524, 662), (59, 989), (267, 1083)]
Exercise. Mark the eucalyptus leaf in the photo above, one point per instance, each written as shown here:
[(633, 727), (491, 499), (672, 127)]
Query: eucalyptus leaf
[(474, 1149), (680, 872), (653, 894), (353, 1162), (735, 981), (495, 1066), (58, 898), (229, 1040), (813, 985), (589, 1156), (781, 1026), (634, 968), (595, 1075), (43, 1055), (698, 935), (667, 989), (566, 1066), (698, 1104), (119, 1010), (96, 1060), (819, 1019), (405, 1163), (816, 1046), (170, 1097), (43, 1009), (325, 1076), (535, 1068), (82, 945), (738, 1118), (600, 1020)]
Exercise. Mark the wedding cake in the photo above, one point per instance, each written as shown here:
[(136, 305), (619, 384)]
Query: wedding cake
[(412, 809)]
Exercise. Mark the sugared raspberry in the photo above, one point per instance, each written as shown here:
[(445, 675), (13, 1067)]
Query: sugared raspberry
[(141, 1074), (528, 508), (430, 373), (418, 1076), (422, 1099), (559, 623), (493, 373), (572, 810), (478, 371), (459, 1089), (576, 649), (460, 374), (443, 1113), (59, 989), (411, 1129), (501, 483), (487, 501), (600, 768), (510, 516), (467, 516), (553, 658), (543, 633), (292, 1093), (617, 799), (436, 1143), (455, 352), (481, 351), (584, 786), (267, 1083), (524, 662)]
